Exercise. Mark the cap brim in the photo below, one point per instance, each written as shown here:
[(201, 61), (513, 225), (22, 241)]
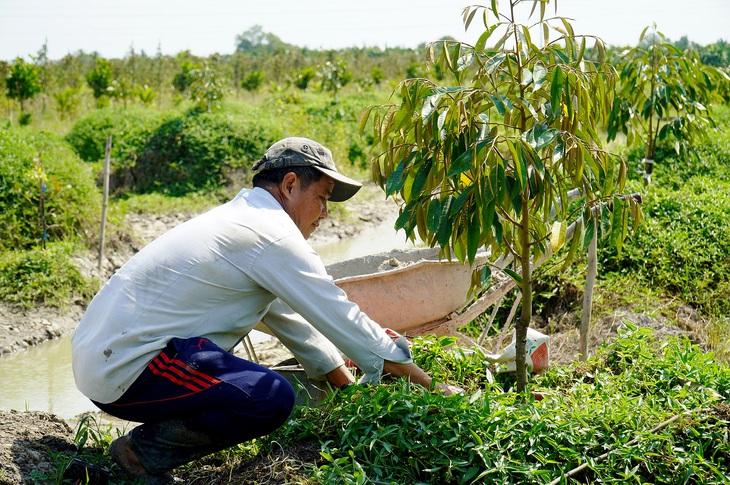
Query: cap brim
[(344, 187)]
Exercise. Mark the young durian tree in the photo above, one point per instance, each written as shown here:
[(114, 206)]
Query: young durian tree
[(663, 94), (489, 161)]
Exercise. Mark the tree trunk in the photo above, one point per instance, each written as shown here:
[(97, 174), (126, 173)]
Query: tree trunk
[(526, 314)]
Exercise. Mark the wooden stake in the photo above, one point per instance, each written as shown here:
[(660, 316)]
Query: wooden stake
[(105, 199), (585, 321)]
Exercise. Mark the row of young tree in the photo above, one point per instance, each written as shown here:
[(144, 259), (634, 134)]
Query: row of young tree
[(261, 59)]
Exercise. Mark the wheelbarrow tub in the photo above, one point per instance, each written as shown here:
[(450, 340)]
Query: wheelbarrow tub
[(408, 290)]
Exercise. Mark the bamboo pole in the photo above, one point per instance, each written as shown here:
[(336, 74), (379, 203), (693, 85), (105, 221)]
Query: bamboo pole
[(42, 202), (105, 199)]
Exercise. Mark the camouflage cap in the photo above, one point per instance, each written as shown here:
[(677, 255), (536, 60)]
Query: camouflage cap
[(303, 152)]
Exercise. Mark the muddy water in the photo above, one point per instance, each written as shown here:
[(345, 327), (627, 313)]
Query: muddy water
[(40, 378)]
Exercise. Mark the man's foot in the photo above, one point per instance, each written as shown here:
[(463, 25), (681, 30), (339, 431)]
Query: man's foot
[(122, 454)]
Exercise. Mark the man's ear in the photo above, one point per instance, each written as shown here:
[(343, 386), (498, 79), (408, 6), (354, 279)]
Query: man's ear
[(288, 183)]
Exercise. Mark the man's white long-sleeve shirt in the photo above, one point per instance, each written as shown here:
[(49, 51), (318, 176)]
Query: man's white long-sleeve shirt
[(217, 276)]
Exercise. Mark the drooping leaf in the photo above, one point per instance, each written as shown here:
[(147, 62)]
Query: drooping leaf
[(557, 235), (434, 215), (396, 179), (556, 88), (461, 199), (517, 278), (464, 161), (538, 76), (473, 237), (590, 228), (402, 222), (468, 16), (575, 243), (421, 176), (618, 232), (445, 228)]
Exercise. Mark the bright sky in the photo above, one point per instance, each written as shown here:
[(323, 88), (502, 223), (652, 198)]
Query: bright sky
[(111, 28)]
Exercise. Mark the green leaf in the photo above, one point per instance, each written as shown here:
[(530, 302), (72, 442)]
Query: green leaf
[(494, 62), (498, 230), (556, 89), (498, 103), (575, 243), (538, 76), (539, 136), (519, 163), (487, 213), (421, 176), (396, 179), (588, 234), (445, 229), (482, 42), (461, 200), (464, 62), (442, 119), (405, 217), (517, 278), (461, 164), (429, 106), (617, 226), (473, 237), (434, 215), (485, 275), (464, 161)]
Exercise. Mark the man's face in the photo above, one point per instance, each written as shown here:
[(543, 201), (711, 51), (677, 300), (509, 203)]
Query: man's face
[(307, 207)]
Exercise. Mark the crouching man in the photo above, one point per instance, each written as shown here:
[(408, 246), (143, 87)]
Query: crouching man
[(154, 345)]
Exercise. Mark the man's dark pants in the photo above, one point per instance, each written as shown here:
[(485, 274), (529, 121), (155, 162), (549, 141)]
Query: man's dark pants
[(195, 399)]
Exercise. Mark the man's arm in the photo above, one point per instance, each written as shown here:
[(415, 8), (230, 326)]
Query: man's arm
[(340, 377)]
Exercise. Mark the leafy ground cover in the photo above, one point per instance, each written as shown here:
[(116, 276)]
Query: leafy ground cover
[(642, 410)]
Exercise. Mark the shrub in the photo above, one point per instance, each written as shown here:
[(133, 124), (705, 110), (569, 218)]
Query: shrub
[(682, 246), (201, 151), (38, 276), (176, 153), (71, 200), (130, 128)]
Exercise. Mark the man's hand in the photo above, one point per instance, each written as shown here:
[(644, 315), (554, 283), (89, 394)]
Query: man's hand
[(419, 376), (448, 389)]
